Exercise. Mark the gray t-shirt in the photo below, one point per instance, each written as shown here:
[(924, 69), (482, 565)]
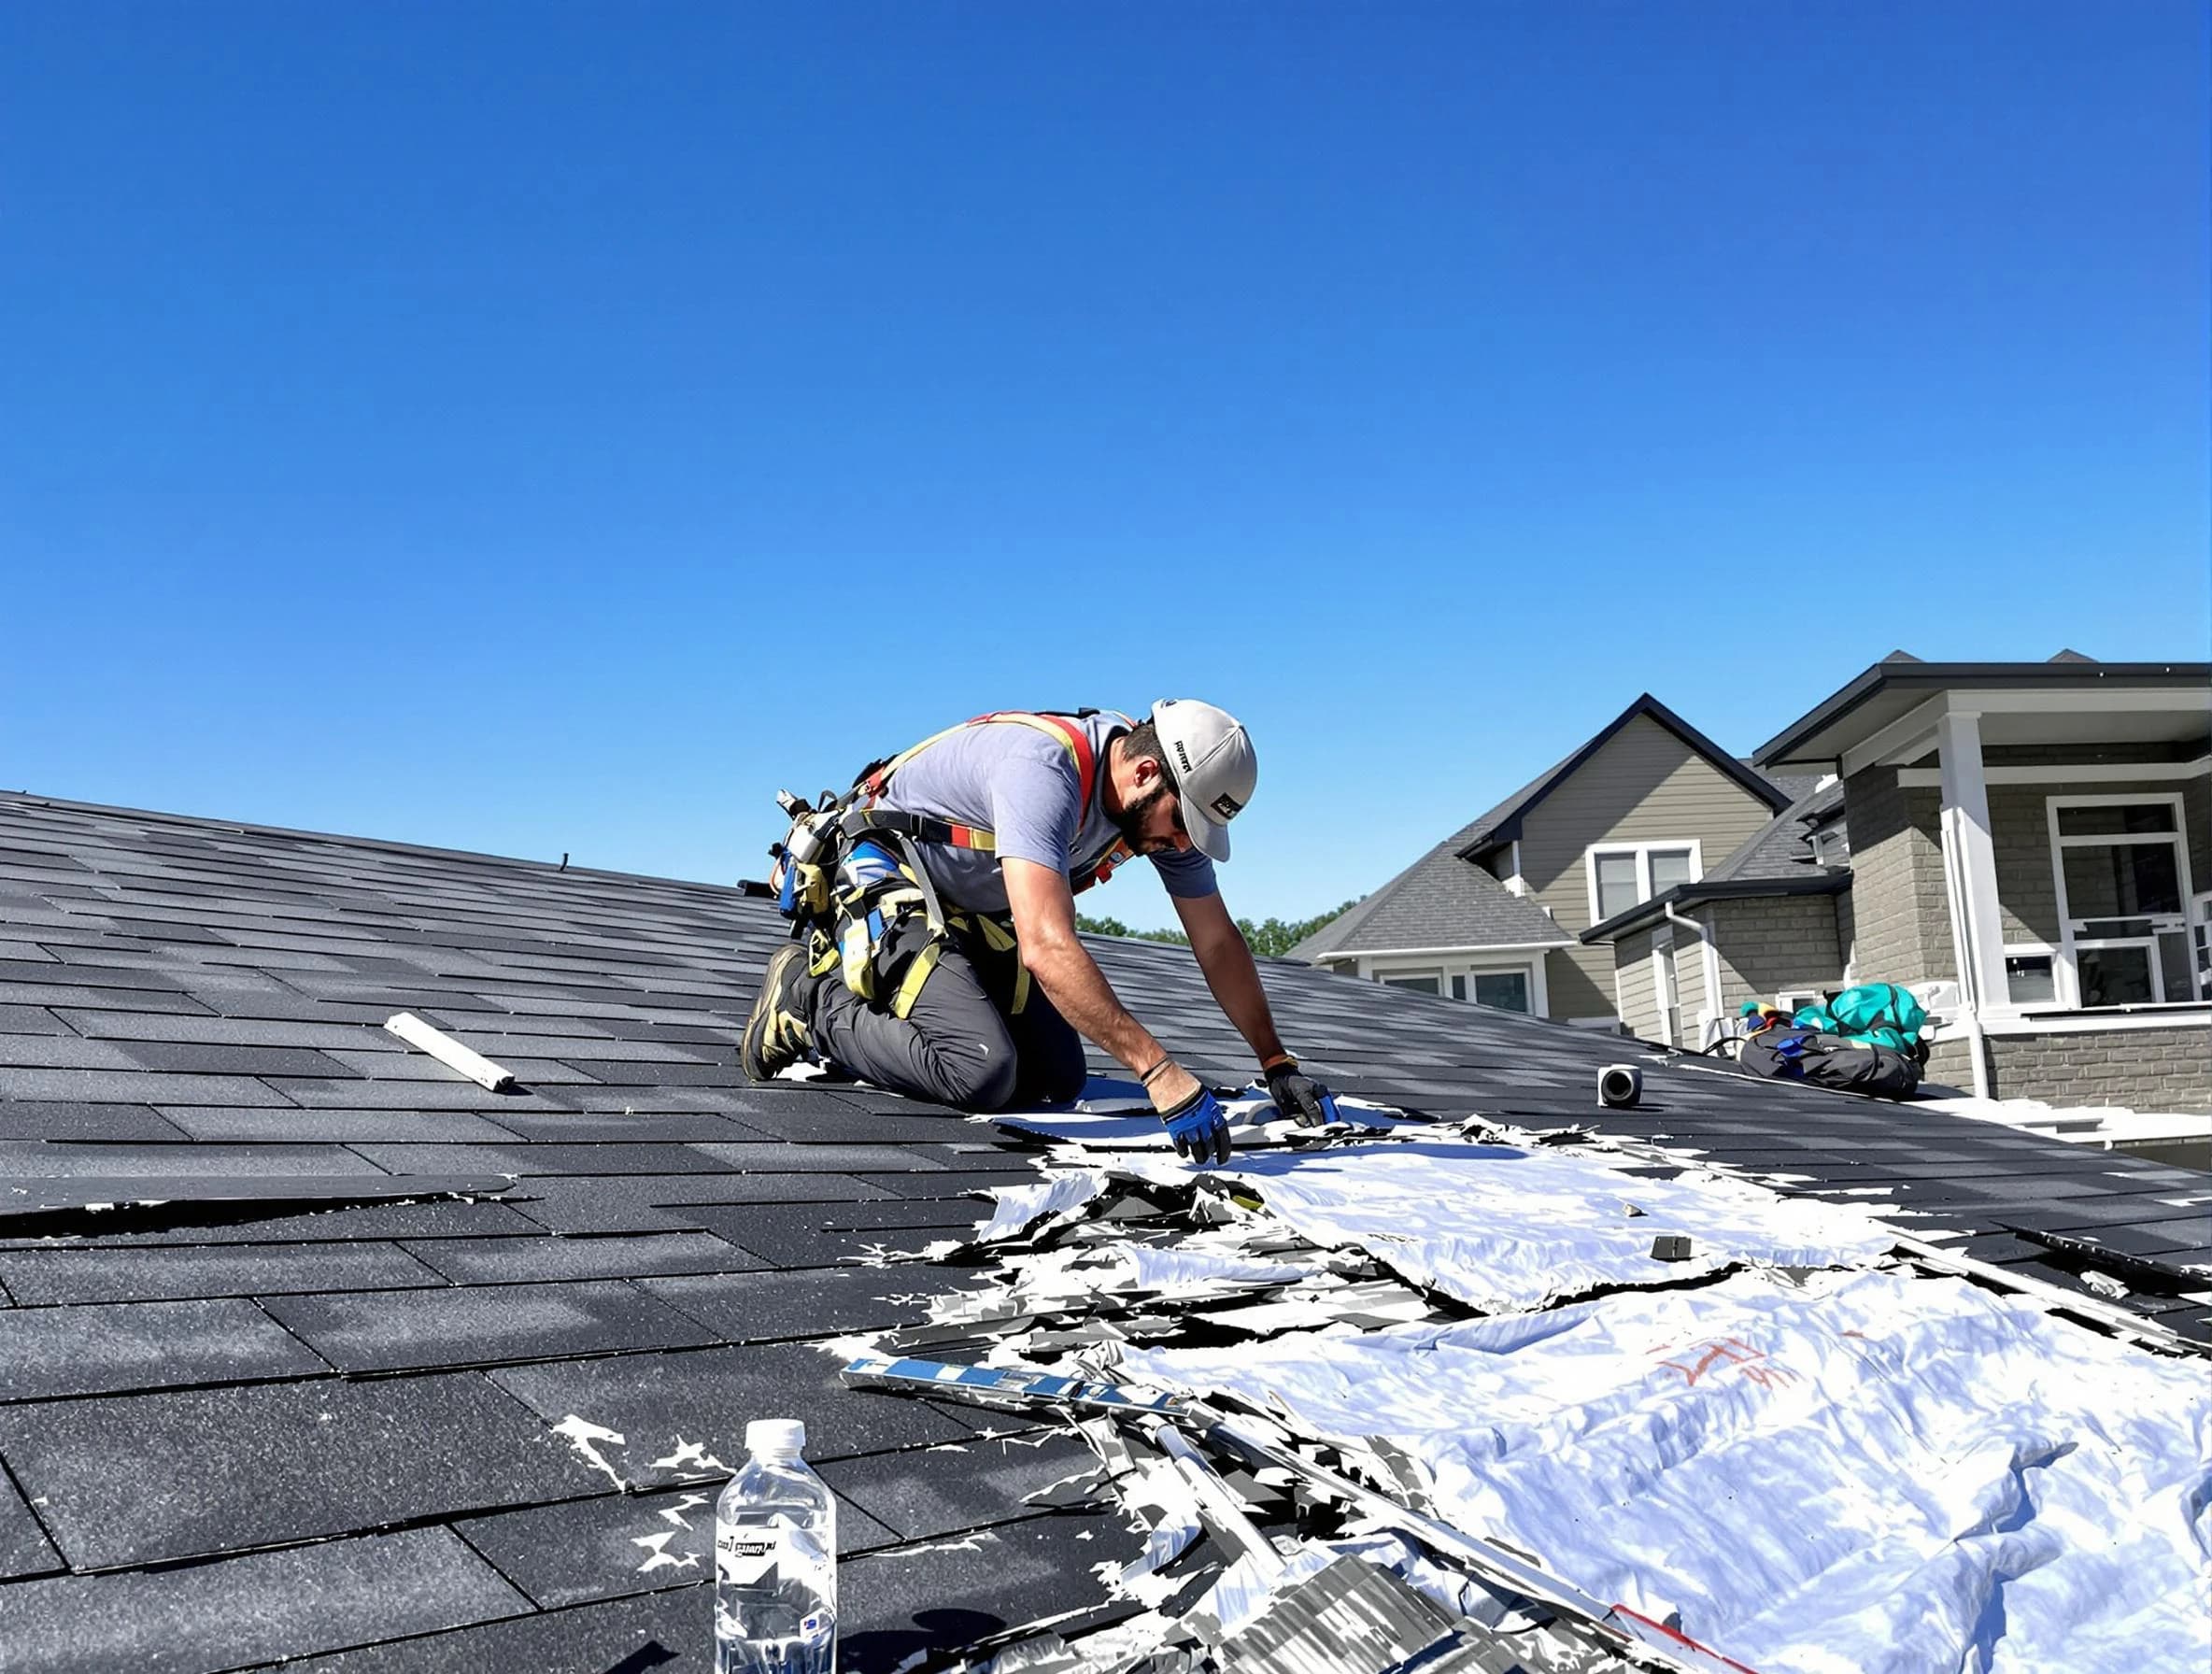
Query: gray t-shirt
[(1020, 786)]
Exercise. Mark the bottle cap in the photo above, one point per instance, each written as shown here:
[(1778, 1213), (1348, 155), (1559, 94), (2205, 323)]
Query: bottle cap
[(775, 1436)]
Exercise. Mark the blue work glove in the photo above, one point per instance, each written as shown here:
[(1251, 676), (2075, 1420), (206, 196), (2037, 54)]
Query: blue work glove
[(1199, 1127), (1299, 1096)]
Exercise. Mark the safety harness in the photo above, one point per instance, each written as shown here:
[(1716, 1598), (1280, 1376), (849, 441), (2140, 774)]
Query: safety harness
[(849, 874)]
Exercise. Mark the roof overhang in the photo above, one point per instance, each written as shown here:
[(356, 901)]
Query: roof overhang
[(1396, 953), (1685, 894), (1888, 714)]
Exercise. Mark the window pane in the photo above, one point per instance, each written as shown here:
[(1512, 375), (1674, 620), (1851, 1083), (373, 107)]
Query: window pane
[(2173, 960), (2117, 819), (1669, 867), (1507, 990), (2029, 978), (1616, 885), (2114, 975), (2122, 881), (1420, 984), (1459, 987)]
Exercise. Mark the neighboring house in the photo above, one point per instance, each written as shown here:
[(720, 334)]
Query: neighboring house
[(2038, 836), (1495, 912), (1761, 925)]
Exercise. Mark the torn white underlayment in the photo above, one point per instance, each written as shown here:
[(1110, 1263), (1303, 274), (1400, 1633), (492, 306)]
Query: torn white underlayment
[(1505, 1227), (1815, 1457), (1852, 1471)]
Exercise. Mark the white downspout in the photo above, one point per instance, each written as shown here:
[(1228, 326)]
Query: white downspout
[(1708, 963)]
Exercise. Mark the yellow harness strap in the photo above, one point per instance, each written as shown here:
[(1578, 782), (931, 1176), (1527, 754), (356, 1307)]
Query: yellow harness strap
[(856, 951)]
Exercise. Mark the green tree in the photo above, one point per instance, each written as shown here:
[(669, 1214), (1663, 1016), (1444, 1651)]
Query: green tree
[(1270, 938)]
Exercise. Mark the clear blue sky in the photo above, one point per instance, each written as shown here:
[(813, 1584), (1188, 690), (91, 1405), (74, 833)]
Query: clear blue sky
[(553, 428)]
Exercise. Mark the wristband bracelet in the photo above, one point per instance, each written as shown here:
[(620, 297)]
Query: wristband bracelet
[(1145, 1080), (1279, 1059)]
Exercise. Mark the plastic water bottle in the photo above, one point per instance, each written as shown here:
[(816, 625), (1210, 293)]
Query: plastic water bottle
[(776, 1560)]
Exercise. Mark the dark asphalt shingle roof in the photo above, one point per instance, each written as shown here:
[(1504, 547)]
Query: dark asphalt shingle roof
[(326, 1429), (1782, 848), (1440, 900)]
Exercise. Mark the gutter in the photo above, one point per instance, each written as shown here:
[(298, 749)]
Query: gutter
[(1378, 953), (1832, 881)]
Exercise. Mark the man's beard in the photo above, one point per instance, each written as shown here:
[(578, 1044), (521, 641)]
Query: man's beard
[(1131, 822)]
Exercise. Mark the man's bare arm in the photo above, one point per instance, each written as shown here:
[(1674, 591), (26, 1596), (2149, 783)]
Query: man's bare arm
[(1226, 957), (1044, 924)]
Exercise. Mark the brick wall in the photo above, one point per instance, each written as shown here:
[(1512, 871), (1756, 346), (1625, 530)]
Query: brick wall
[(2134, 1069), (1901, 926), (1775, 943)]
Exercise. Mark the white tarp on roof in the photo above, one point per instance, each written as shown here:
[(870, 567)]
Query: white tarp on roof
[(1856, 1472), (1503, 1227)]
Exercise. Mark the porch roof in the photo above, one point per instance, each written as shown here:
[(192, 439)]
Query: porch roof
[(2069, 699)]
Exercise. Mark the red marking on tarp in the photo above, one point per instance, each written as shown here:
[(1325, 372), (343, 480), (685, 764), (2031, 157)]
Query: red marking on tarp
[(1732, 1351), (1680, 1638)]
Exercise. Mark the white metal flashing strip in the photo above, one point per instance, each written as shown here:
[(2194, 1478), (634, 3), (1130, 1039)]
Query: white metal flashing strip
[(451, 1053)]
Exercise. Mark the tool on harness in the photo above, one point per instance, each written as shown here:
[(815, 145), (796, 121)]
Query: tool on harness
[(849, 874)]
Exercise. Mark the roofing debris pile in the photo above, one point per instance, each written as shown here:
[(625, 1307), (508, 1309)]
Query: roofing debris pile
[(1459, 1361)]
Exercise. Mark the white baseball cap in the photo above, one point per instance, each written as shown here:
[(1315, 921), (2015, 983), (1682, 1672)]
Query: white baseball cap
[(1211, 765)]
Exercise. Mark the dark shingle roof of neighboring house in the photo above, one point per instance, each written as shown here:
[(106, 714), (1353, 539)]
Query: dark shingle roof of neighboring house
[(1440, 900), (1776, 860), (340, 1396), (1502, 824), (1444, 900)]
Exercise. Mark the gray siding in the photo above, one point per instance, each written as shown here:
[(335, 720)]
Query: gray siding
[(1638, 985), (1778, 942), (1643, 785), (1640, 1004), (1900, 921), (2137, 1069)]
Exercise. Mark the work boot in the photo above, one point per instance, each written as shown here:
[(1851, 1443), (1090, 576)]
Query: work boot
[(776, 1035)]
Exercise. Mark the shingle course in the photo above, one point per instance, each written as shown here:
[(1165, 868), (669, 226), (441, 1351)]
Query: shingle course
[(663, 1196)]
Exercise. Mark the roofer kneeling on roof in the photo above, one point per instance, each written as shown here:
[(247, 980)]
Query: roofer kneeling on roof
[(933, 909)]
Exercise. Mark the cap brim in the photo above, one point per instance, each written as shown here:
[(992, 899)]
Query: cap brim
[(1208, 835)]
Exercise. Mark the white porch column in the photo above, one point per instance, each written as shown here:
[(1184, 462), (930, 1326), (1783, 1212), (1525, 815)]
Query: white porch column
[(1970, 879)]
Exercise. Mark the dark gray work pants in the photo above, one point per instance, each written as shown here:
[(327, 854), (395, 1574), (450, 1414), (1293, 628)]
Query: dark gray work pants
[(957, 1045)]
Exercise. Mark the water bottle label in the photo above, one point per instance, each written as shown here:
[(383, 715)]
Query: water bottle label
[(747, 1557), (770, 1557)]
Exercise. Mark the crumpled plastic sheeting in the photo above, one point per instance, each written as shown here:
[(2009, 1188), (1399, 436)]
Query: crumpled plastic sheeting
[(1859, 1473), (1502, 1228)]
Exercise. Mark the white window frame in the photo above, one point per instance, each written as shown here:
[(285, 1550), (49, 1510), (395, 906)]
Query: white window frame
[(1465, 969), (2191, 916), (2056, 953), (1643, 852), (2200, 940)]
